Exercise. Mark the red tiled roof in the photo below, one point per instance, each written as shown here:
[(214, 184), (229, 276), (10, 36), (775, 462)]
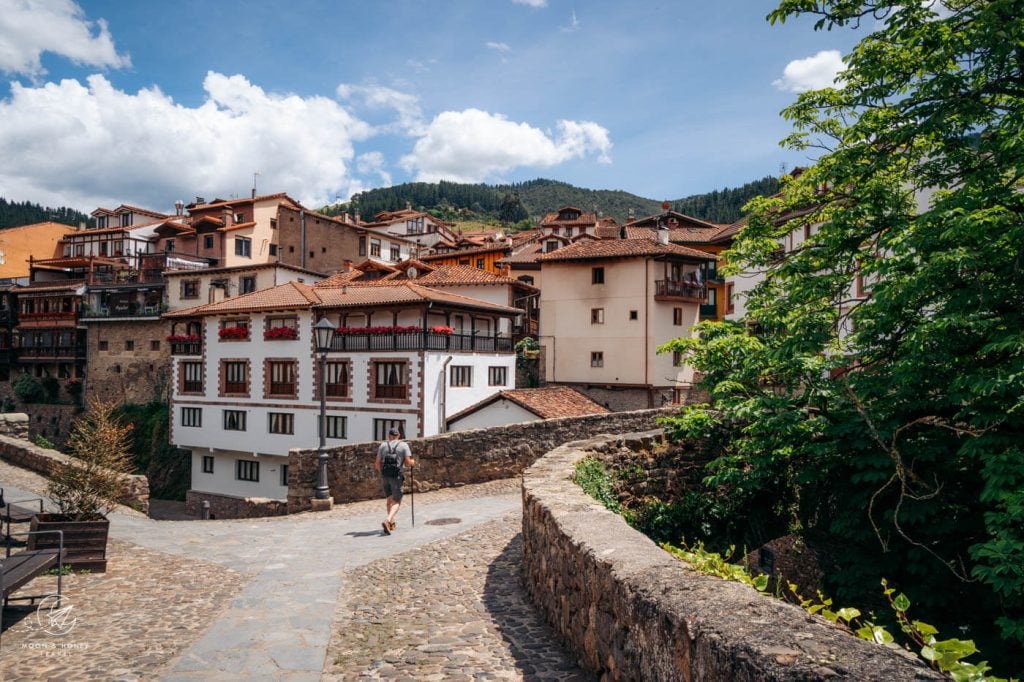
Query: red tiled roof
[(241, 200), (621, 248), (398, 293), (465, 252), (549, 402), (236, 226), (45, 287), (682, 220), (124, 228), (287, 296)]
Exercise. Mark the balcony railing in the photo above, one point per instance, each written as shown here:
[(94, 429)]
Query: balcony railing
[(121, 310), (422, 341), (50, 315), (667, 288), (76, 351), (186, 348)]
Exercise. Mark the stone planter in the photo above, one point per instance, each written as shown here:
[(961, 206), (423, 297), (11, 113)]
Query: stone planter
[(85, 542)]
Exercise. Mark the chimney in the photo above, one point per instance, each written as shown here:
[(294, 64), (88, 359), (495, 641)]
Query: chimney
[(662, 234), (408, 205), (506, 270), (179, 207), (81, 226), (226, 212), (357, 216), (346, 266)]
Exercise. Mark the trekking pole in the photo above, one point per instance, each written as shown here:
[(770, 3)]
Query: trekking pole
[(412, 494)]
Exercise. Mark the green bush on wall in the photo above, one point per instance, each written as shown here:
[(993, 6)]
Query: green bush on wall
[(28, 389)]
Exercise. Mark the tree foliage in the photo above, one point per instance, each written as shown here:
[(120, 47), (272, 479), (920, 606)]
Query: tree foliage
[(14, 214), (891, 426)]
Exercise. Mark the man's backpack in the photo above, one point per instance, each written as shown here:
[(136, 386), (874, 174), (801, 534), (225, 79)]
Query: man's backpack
[(390, 464)]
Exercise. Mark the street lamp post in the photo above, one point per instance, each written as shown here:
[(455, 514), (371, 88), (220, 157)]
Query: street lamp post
[(324, 332)]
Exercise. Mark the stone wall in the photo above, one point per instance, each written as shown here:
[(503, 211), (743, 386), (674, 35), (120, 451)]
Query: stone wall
[(631, 611), (53, 422), (46, 462), (454, 459), (227, 507), (127, 362), (14, 424)]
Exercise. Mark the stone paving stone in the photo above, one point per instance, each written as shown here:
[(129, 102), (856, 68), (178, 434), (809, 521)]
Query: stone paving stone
[(130, 621), (454, 609)]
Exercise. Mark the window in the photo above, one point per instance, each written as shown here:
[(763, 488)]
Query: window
[(192, 416), (396, 253), (597, 316), (129, 345), (273, 223), (169, 245), (273, 249), (208, 241), (550, 245), (677, 358), (236, 376), (104, 345), (375, 248), (247, 285), (597, 359), (633, 315), (389, 380), (103, 248), (284, 475), (597, 275), (677, 317), (243, 247), (463, 261), (126, 219), (382, 426), (336, 376), (730, 306), (281, 422), (712, 296), (462, 375), (191, 377), (190, 288), (337, 427), (207, 464), (480, 263), (154, 344), (246, 470), (239, 218), (234, 420), (79, 249), (497, 376), (362, 246), (281, 377)]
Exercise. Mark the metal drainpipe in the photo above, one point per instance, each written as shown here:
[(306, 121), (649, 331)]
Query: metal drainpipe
[(647, 332), (443, 428)]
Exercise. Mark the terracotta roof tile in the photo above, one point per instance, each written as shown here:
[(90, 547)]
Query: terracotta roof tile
[(621, 248), (549, 402), (44, 287), (287, 296)]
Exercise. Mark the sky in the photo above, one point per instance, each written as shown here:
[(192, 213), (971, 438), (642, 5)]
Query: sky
[(104, 102)]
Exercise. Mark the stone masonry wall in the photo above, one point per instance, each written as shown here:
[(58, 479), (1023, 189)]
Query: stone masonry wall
[(46, 462), (633, 612), (127, 362), (227, 507), (454, 459)]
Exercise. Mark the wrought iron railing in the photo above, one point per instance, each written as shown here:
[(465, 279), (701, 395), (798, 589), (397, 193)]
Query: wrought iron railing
[(186, 348), (422, 341), (680, 289)]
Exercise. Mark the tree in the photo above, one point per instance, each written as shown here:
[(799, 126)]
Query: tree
[(892, 425), (511, 209)]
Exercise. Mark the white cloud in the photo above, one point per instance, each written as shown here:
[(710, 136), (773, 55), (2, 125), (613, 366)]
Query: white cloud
[(472, 145), (28, 28), (574, 24), (500, 47), (90, 144), (812, 73), (410, 117), (532, 3), (373, 162)]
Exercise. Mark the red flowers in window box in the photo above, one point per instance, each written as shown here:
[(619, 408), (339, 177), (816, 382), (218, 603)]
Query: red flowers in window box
[(234, 333), (281, 334), (183, 338), (442, 329)]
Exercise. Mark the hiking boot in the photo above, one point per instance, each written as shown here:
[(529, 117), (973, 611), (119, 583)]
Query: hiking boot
[(394, 524), (387, 528)]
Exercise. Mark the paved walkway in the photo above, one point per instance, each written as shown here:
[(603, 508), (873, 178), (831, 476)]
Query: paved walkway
[(303, 597)]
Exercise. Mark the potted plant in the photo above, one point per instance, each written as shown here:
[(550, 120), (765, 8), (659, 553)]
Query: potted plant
[(281, 334), (234, 333), (86, 488)]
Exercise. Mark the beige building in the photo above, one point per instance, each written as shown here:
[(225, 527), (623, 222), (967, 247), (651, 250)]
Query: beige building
[(607, 305)]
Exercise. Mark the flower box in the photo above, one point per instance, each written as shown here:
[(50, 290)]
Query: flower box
[(281, 334), (234, 334), (442, 329)]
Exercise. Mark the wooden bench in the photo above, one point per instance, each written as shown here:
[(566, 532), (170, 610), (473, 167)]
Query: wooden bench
[(16, 570)]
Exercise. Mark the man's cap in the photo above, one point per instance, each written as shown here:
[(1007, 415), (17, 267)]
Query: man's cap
[(393, 432)]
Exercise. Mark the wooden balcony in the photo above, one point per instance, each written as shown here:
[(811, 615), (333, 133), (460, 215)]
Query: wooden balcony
[(186, 347), (673, 290), (51, 352), (416, 341)]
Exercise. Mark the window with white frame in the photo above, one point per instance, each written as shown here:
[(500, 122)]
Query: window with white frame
[(247, 284), (597, 316), (390, 380), (207, 464), (243, 247), (281, 376), (382, 426), (337, 426), (191, 377), (375, 248), (336, 379), (597, 359), (236, 377)]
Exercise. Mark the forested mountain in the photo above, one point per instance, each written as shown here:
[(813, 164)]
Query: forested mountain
[(529, 201), (13, 214)]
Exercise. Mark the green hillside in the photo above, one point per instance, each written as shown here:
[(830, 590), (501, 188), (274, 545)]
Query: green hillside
[(524, 203), (14, 214)]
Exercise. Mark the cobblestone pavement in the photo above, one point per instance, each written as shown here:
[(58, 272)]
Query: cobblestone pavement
[(185, 600), (452, 610)]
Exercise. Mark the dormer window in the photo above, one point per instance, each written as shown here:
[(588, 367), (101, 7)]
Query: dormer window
[(101, 222), (239, 218)]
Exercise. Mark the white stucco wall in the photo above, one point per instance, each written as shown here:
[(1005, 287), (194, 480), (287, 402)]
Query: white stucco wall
[(498, 413)]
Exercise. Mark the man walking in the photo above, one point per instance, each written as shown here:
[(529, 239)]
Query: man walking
[(393, 456)]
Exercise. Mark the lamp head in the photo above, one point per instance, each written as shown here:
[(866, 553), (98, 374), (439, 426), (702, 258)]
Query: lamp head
[(324, 333)]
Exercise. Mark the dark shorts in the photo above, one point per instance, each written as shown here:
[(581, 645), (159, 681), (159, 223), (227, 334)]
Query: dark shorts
[(393, 487)]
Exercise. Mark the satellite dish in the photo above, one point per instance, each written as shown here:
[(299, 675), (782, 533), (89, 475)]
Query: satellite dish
[(411, 272)]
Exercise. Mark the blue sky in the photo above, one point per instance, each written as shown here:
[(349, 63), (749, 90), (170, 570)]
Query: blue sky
[(145, 102)]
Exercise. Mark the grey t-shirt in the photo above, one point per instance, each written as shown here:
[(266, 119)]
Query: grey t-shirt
[(401, 449)]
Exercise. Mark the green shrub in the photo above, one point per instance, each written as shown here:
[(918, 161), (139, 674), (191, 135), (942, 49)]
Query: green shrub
[(28, 389)]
